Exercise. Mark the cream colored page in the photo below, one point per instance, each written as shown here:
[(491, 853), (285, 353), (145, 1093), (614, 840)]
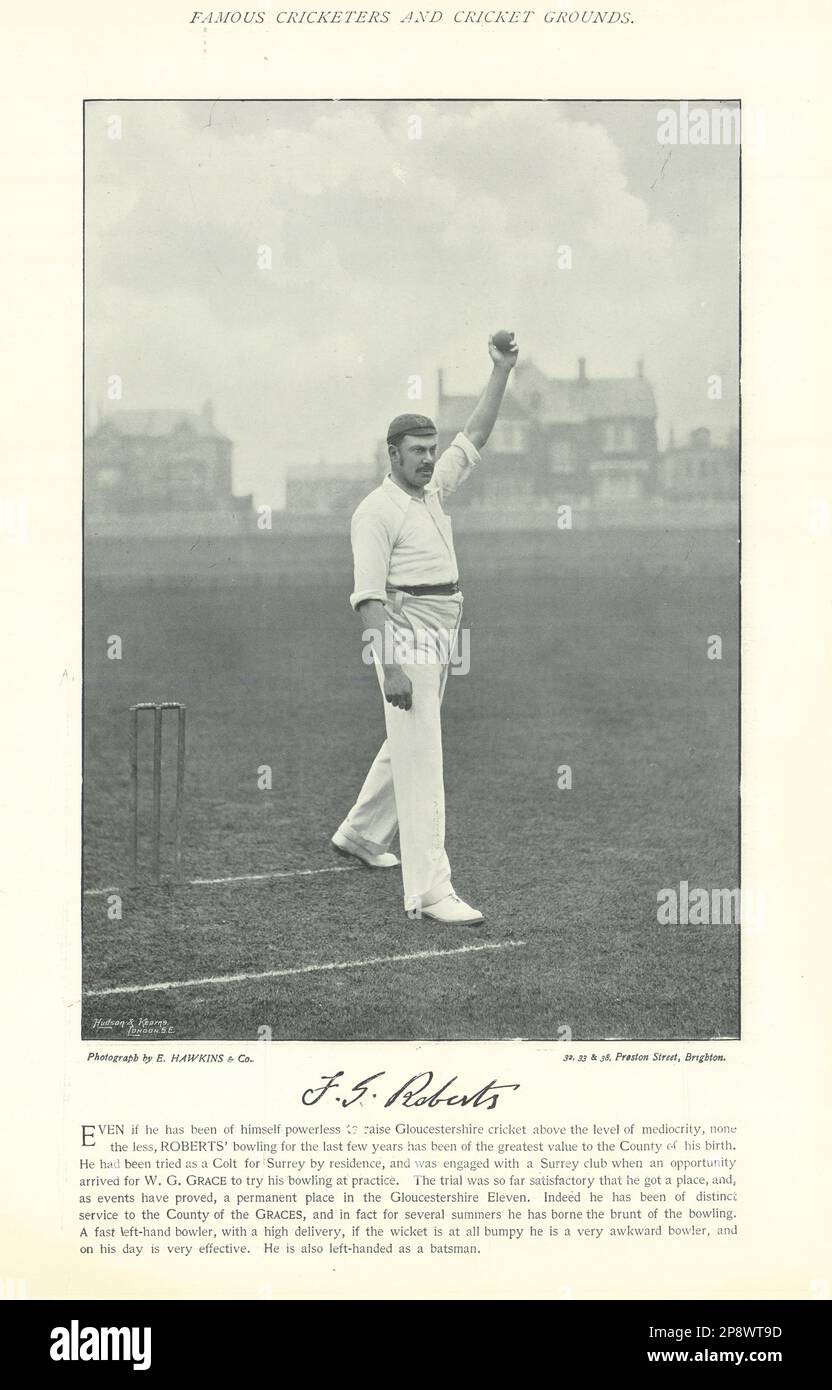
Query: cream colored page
[(771, 1086)]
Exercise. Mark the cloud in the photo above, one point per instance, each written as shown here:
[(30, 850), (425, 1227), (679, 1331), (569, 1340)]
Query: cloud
[(390, 256)]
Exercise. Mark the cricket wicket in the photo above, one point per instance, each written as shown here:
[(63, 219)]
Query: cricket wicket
[(156, 821)]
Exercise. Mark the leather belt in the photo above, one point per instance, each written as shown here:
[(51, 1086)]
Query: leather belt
[(452, 587)]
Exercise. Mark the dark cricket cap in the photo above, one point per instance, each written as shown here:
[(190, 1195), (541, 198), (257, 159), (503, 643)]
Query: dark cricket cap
[(409, 424)]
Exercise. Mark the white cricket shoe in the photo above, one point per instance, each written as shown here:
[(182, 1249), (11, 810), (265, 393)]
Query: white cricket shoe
[(453, 912), (342, 845)]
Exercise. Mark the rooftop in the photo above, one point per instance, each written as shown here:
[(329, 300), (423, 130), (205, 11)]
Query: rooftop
[(559, 401), (155, 424)]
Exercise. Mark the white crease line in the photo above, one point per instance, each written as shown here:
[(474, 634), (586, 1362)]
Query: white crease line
[(302, 969), (234, 878)]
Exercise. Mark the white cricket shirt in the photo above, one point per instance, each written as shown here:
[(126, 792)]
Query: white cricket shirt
[(399, 539)]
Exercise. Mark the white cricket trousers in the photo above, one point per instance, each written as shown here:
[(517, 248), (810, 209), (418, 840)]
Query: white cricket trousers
[(404, 787)]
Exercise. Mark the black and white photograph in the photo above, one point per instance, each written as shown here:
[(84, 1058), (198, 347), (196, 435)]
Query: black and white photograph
[(411, 595)]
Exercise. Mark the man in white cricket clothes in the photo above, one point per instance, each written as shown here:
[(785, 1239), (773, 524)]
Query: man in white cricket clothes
[(407, 594)]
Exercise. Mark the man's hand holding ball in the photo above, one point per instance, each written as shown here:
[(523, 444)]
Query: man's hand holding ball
[(503, 349)]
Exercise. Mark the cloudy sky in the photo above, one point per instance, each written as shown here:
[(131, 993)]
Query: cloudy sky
[(392, 256)]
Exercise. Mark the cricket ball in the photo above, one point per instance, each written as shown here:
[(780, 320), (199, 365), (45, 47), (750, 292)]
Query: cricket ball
[(502, 340)]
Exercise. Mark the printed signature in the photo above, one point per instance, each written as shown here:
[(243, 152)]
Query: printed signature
[(418, 1090)]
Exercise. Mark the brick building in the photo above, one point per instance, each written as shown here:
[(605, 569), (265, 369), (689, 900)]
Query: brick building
[(700, 468), (576, 440), (587, 441), (162, 471)]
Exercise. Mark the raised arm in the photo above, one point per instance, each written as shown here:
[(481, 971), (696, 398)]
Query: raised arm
[(485, 412)]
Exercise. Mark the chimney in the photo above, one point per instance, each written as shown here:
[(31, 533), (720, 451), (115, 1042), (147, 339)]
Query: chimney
[(440, 385), (582, 369), (207, 413), (640, 368)]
